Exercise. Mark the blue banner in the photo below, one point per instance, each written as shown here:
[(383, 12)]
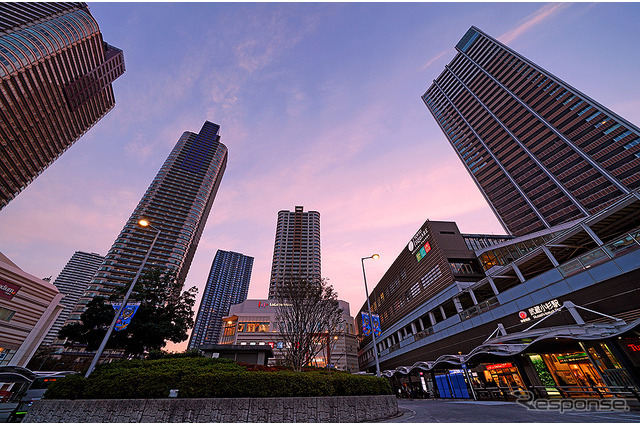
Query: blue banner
[(366, 323), (375, 321), (125, 316)]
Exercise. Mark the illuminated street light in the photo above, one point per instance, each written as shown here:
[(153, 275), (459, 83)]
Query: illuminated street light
[(373, 333), (144, 223)]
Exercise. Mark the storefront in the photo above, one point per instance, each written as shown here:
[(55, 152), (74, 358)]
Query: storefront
[(503, 375)]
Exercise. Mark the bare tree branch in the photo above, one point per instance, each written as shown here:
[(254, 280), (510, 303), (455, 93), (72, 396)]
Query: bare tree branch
[(307, 317)]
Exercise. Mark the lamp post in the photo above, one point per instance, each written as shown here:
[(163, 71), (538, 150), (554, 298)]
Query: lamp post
[(373, 333), (144, 223)]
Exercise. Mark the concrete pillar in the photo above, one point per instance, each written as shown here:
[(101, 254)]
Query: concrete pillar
[(413, 328), (473, 296), (457, 304), (432, 318), (550, 256), (421, 324), (493, 286), (518, 273), (444, 316)]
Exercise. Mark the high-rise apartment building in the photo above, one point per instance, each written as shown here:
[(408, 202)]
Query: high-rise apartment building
[(296, 253), (228, 284), (72, 282), (56, 74), (541, 152), (177, 203)]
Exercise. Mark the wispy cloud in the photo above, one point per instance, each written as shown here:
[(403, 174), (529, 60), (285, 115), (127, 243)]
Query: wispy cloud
[(436, 58), (543, 14)]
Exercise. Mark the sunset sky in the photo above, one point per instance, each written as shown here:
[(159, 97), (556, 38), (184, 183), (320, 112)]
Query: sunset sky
[(319, 105)]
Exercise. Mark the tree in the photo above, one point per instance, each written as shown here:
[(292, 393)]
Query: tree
[(165, 313), (307, 317)]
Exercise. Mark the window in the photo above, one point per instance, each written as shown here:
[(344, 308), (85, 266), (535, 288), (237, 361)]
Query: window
[(6, 314)]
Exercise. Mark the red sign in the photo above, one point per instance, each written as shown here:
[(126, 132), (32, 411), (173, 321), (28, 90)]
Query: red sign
[(499, 366), (633, 347), (8, 290), (522, 314)]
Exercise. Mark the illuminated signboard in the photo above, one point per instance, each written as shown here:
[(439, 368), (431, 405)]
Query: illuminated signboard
[(539, 311), (8, 290), (580, 356), (633, 347), (499, 366), (262, 304), (423, 251)]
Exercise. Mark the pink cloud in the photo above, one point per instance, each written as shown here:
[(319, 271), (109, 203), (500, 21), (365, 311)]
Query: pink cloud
[(543, 14)]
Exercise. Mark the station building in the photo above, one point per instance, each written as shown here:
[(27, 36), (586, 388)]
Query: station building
[(554, 311), (253, 323)]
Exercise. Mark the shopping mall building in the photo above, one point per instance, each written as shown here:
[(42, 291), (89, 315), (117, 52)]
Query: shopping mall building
[(253, 322), (555, 310)]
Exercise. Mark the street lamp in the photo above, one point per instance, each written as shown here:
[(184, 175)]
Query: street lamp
[(373, 333), (144, 223)]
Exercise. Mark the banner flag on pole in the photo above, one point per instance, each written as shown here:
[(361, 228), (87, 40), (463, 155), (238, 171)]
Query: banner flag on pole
[(125, 316), (366, 323), (375, 322)]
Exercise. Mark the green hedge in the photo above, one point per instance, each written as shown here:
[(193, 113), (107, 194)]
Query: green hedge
[(208, 378)]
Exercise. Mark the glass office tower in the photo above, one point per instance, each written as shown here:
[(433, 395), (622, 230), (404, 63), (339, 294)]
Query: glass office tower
[(228, 284)]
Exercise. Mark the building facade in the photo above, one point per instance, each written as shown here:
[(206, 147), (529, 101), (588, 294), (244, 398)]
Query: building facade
[(56, 76), (296, 252), (177, 204), (73, 281), (253, 322), (556, 308), (541, 152), (228, 284), (28, 308)]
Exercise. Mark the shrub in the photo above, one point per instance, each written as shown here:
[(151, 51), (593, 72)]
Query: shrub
[(198, 377)]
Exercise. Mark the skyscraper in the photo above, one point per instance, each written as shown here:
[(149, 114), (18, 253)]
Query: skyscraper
[(56, 76), (541, 152), (227, 285), (177, 203), (72, 282), (296, 252)]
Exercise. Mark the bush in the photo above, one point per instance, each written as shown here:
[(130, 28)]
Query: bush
[(198, 377)]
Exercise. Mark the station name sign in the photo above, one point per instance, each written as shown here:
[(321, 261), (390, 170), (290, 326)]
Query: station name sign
[(419, 246), (8, 290), (539, 311)]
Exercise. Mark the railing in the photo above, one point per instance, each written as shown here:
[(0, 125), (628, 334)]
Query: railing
[(394, 347), (623, 245), (479, 308), (422, 334)]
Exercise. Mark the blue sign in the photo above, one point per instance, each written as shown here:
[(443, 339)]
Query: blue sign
[(126, 315), (366, 323), (375, 320)]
